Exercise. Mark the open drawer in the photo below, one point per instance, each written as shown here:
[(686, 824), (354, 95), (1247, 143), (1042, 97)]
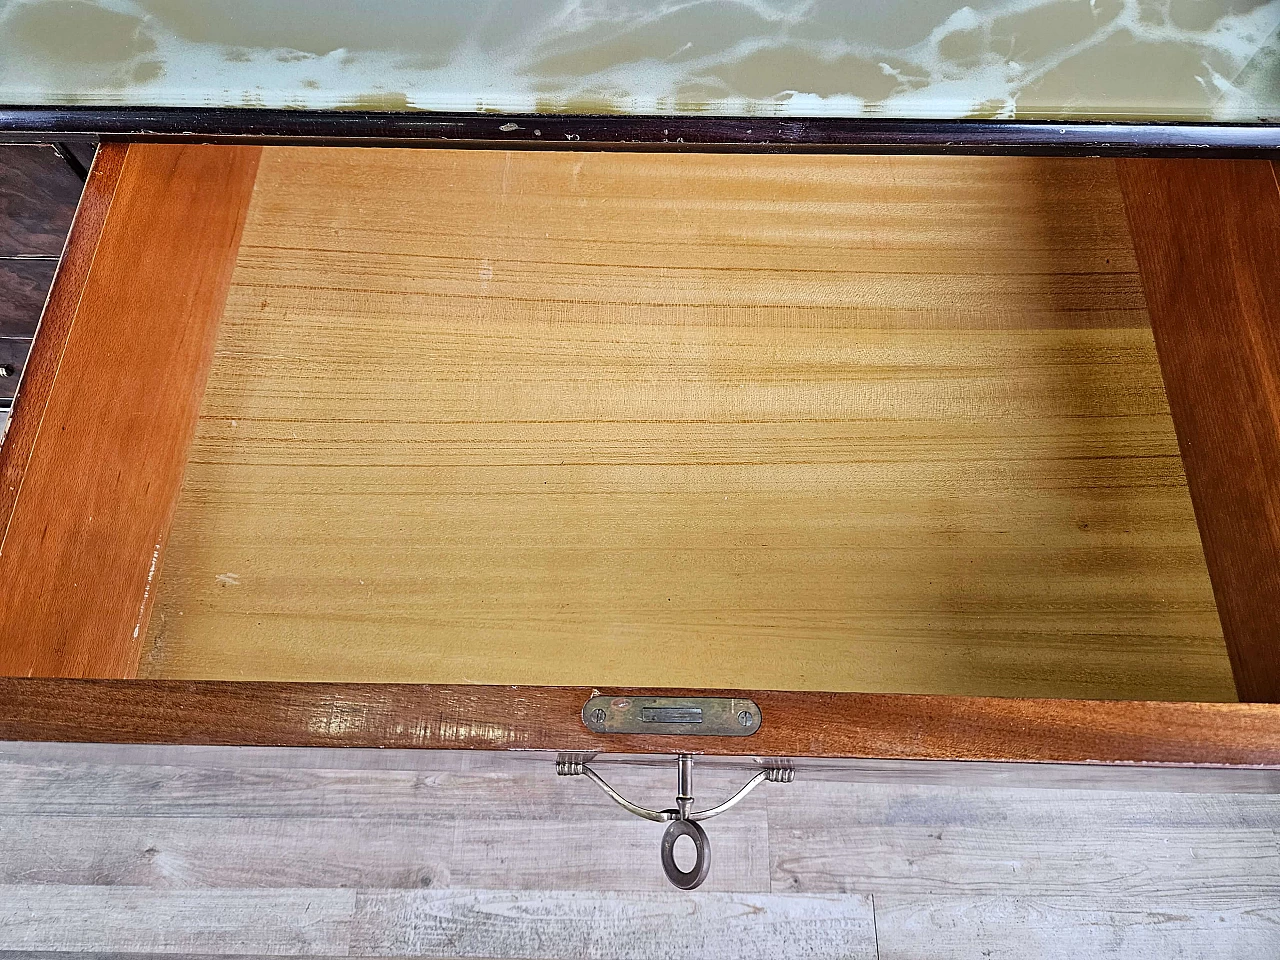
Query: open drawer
[(429, 447)]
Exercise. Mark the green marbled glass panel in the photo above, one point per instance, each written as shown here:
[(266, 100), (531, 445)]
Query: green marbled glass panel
[(1077, 59)]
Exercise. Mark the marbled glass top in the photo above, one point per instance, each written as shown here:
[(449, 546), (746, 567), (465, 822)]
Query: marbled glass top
[(1076, 59)]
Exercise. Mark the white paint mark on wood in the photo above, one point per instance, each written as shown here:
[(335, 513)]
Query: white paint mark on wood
[(146, 590)]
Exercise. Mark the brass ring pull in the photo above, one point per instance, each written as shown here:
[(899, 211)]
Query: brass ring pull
[(686, 879)]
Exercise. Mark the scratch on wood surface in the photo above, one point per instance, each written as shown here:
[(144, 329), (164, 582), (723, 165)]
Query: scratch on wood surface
[(146, 591)]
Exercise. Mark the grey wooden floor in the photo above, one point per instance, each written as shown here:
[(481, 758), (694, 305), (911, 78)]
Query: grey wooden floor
[(215, 851)]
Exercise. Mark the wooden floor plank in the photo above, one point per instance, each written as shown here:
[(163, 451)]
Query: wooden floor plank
[(1105, 928), (185, 854), (523, 850), (44, 786), (57, 780), (993, 859), (142, 920), (949, 840), (112, 955), (585, 926), (945, 806)]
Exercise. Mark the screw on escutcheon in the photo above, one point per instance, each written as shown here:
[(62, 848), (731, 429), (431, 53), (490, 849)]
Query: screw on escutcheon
[(745, 718), (597, 715)]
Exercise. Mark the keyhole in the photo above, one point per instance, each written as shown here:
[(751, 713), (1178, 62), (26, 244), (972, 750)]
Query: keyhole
[(685, 853)]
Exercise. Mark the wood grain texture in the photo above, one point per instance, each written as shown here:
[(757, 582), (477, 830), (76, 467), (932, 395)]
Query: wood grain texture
[(24, 283), (209, 822), (472, 716), (139, 920), (459, 819), (832, 423), (951, 840), (1013, 928), (38, 195), (445, 924), (551, 925), (410, 853), (102, 434), (66, 781), (1207, 236)]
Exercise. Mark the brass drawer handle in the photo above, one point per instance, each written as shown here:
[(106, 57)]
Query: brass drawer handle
[(681, 820)]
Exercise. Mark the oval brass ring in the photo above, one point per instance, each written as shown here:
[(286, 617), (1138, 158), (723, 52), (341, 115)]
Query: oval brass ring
[(686, 879)]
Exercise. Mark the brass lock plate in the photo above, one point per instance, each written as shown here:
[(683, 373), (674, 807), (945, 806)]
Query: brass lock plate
[(673, 716)]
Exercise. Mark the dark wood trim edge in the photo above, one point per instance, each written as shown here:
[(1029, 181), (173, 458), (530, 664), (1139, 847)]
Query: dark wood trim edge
[(72, 161), (636, 132), (796, 724)]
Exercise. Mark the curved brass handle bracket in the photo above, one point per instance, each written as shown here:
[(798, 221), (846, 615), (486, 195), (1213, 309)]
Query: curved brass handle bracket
[(569, 765)]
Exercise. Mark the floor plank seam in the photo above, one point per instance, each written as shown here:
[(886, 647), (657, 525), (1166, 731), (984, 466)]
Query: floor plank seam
[(875, 924)]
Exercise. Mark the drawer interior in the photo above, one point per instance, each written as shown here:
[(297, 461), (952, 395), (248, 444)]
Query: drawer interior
[(883, 424)]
